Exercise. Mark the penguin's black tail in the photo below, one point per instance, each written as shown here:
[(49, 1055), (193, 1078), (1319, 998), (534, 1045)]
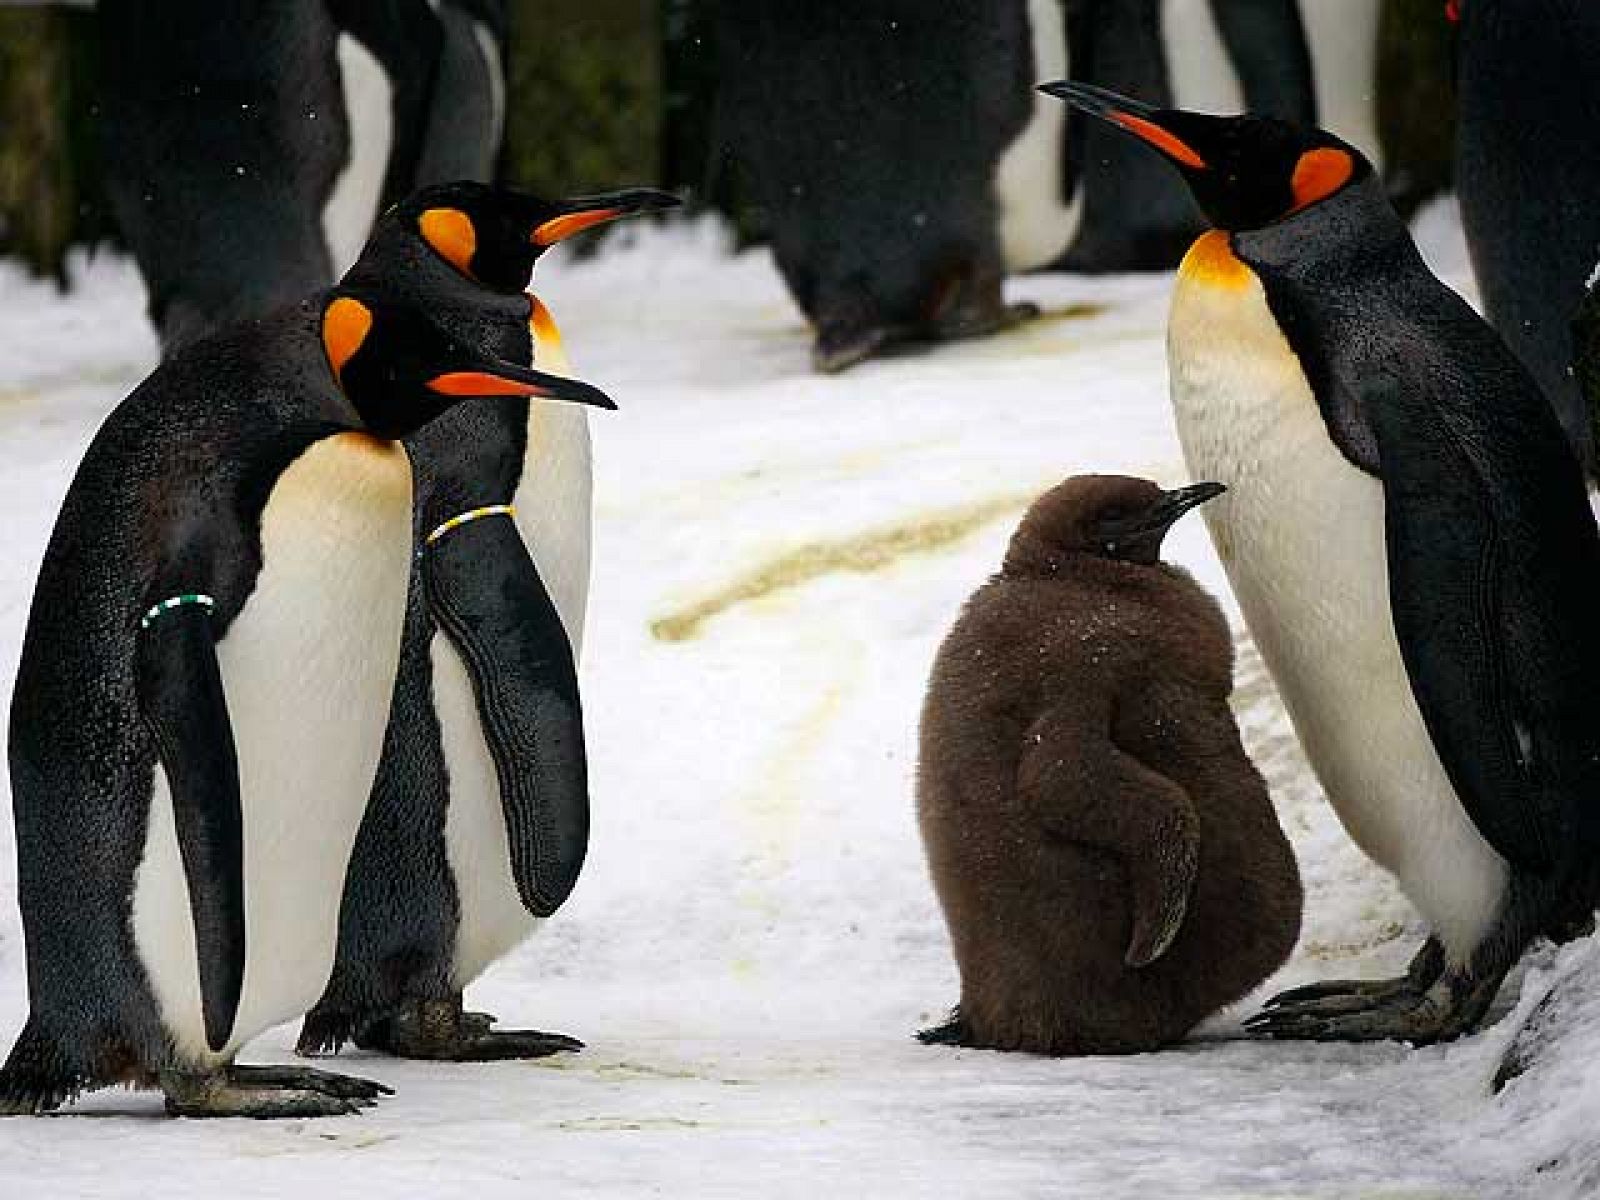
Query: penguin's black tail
[(37, 1076), (325, 1032)]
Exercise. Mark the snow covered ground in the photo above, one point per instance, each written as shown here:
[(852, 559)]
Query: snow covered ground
[(755, 939)]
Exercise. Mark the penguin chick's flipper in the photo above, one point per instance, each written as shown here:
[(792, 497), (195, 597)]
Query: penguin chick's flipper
[(485, 592), (269, 1092), (439, 1030), (181, 697), (1082, 787)]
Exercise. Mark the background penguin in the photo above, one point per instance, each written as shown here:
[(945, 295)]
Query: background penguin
[(1528, 175), (199, 707), (1409, 538), (248, 147), (888, 229), (871, 134), (1107, 857), (479, 816), (1222, 53)]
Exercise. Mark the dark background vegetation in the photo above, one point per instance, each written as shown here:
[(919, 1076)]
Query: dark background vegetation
[(602, 93)]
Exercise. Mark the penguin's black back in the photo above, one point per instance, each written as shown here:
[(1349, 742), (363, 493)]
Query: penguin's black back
[(871, 132), (224, 133), (1494, 561), (1528, 175)]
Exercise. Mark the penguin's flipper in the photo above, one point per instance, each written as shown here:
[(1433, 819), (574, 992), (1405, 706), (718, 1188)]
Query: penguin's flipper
[(181, 697), (1084, 788), (1467, 619), (486, 594)]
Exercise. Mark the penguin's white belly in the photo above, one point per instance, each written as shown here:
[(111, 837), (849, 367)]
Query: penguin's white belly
[(1035, 225), (553, 503), (1301, 534), (308, 668)]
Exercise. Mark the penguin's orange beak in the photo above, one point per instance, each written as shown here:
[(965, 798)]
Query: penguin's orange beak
[(1141, 120), (584, 212), (499, 378)]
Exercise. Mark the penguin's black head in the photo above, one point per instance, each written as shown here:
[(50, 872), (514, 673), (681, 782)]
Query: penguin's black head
[(1245, 171), (1101, 516), (494, 235), (399, 370)]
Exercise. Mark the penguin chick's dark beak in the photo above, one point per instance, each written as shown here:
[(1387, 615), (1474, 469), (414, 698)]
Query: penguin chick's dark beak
[(1180, 500), (500, 378), (1141, 120), (583, 212), (1146, 529)]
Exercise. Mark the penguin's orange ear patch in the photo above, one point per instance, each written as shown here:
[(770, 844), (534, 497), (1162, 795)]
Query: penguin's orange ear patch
[(1319, 174), (345, 325), (451, 233), (564, 226)]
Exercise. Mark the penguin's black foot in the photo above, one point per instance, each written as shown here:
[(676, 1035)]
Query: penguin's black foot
[(438, 1030), (265, 1093), (983, 321), (1376, 1011), (953, 1032), (838, 349)]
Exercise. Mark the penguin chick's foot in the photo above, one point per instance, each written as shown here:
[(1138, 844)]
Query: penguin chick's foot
[(268, 1092), (1377, 1010), (442, 1032), (953, 1032)]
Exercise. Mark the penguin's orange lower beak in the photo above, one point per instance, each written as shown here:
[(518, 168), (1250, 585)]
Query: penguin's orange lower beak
[(1138, 119), (584, 212)]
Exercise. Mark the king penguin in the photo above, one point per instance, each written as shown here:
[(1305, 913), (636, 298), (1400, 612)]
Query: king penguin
[(1408, 536), (1528, 175), (249, 148), (201, 699), (872, 134), (478, 823)]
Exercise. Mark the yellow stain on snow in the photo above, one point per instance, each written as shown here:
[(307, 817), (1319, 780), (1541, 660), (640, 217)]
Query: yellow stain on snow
[(862, 553)]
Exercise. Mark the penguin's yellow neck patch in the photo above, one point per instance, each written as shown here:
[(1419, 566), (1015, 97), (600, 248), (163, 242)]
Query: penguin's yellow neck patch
[(548, 352), (451, 233), (1211, 261)]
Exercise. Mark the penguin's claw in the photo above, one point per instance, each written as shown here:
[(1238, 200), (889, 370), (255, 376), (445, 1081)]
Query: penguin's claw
[(505, 1044), (343, 1087), (439, 1031), (1375, 1011), (265, 1093), (1352, 989)]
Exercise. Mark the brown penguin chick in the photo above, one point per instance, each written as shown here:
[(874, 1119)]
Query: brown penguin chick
[(1106, 855)]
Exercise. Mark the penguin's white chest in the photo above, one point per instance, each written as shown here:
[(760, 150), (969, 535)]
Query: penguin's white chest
[(554, 514), (308, 668), (1301, 534)]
